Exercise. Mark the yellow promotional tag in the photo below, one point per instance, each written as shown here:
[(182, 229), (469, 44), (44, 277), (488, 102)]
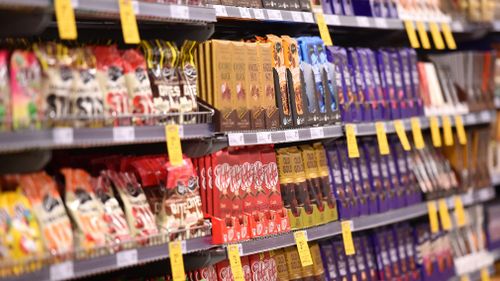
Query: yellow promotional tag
[(174, 148), (352, 143), (485, 274), (448, 36), (65, 16), (433, 217), (176, 261), (464, 278), (436, 36), (444, 214), (435, 134), (323, 29), (233, 253), (400, 130), (422, 33), (347, 238), (418, 139), (459, 211), (412, 34), (129, 23), (303, 248), (459, 125), (383, 144), (447, 134)]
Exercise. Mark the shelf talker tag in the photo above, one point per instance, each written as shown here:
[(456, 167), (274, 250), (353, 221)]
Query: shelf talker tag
[(433, 217), (436, 36), (435, 133), (447, 133), (233, 253), (412, 34), (422, 33), (448, 36), (485, 274), (459, 211), (174, 148), (418, 139), (352, 143), (459, 126), (176, 261), (323, 29), (444, 214), (401, 132), (65, 16), (383, 145), (347, 238), (303, 248), (130, 29)]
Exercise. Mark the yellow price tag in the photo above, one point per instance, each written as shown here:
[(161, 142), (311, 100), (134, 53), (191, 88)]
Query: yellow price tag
[(176, 261), (459, 211), (303, 248), (400, 130), (485, 274), (323, 29), (412, 34), (448, 36), (433, 218), (173, 144), (435, 134), (418, 139), (422, 33), (459, 125), (129, 23), (347, 238), (352, 143), (444, 214), (464, 278), (447, 134), (436, 36), (233, 253), (65, 16), (383, 144)]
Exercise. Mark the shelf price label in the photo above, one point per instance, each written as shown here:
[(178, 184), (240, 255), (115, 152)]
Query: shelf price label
[(435, 133), (317, 133), (264, 137), (422, 33), (220, 10), (123, 134), (447, 134), (292, 135), (65, 16), (412, 34), (236, 139), (179, 11), (459, 211), (444, 214), (352, 143), (401, 132), (174, 148), (128, 20), (433, 217), (347, 237), (485, 274), (245, 12), (62, 271), (303, 248), (448, 36), (274, 15), (383, 145), (464, 278), (417, 133), (323, 29), (126, 258), (233, 253), (436, 36), (176, 261), (459, 126), (62, 135)]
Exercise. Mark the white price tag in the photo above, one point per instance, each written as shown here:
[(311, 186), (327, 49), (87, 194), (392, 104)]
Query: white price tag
[(363, 21), (259, 14), (62, 135), (485, 116), (332, 20), (264, 137), (245, 13), (317, 133), (236, 139), (470, 119), (62, 271), (123, 134), (381, 23), (274, 15), (220, 11), (183, 246), (292, 135), (135, 6), (308, 17), (75, 3), (126, 258), (297, 16), (180, 12)]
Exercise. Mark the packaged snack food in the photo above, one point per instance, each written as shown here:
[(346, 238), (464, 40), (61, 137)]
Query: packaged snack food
[(5, 99), (189, 77)]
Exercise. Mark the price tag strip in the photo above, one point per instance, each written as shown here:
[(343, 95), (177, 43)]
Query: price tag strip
[(303, 248), (383, 144), (401, 132), (447, 133), (347, 227), (435, 133), (176, 261), (174, 148), (352, 143), (433, 216), (129, 22), (233, 253), (65, 16), (444, 214), (418, 139)]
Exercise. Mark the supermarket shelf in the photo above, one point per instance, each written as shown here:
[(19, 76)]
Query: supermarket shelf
[(25, 3), (282, 136), (363, 22), (84, 137), (359, 224), (222, 11), (106, 263)]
